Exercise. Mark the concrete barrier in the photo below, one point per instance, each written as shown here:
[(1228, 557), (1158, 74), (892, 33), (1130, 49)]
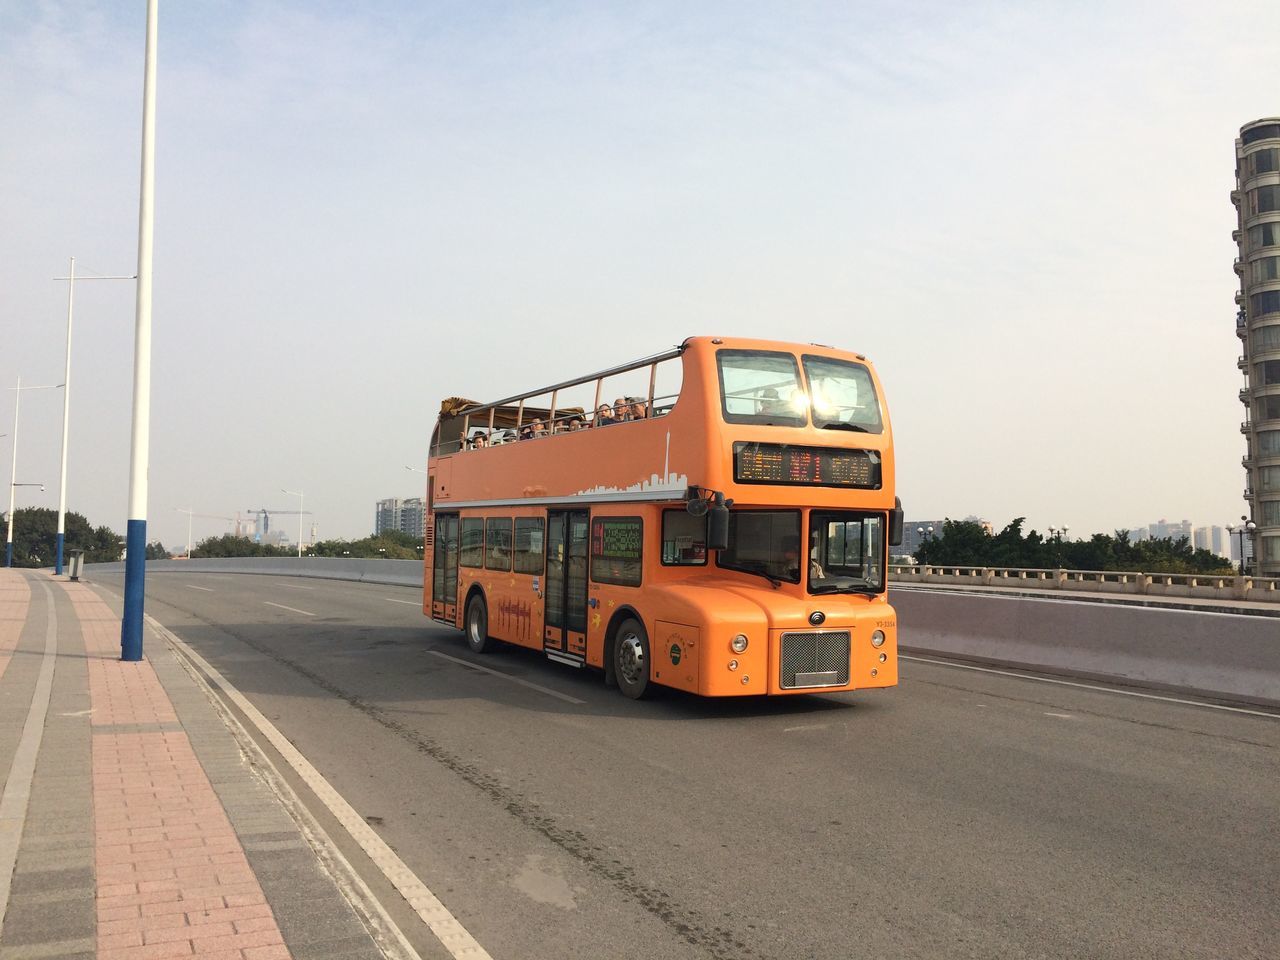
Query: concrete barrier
[(1227, 656), (400, 573)]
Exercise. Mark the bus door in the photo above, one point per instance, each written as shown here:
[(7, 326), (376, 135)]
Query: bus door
[(444, 570), (564, 635)]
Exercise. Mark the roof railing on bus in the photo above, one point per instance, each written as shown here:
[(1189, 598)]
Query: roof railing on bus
[(496, 436), (599, 377)]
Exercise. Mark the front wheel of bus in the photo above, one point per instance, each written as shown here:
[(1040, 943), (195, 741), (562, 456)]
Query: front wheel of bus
[(631, 659), (477, 625)]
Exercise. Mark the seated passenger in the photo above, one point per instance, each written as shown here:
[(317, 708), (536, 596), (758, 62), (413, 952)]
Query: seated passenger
[(769, 403), (639, 409), (575, 423), (621, 410), (537, 427), (479, 439), (604, 416)]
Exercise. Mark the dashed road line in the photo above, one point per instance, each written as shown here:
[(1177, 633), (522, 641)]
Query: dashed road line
[(506, 676), (205, 589), (412, 603), (305, 613)]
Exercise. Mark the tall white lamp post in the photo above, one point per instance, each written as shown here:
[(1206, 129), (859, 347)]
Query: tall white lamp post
[(66, 413), (298, 494), (135, 563)]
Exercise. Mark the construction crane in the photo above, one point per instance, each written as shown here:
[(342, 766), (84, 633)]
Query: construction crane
[(263, 523)]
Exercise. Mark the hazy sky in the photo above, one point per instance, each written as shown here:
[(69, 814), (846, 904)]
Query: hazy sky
[(1018, 210)]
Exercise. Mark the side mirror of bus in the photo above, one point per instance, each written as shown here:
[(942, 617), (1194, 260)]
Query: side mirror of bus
[(895, 523), (718, 523)]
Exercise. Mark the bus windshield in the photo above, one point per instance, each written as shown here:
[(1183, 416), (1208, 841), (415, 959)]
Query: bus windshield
[(764, 542), (846, 552), (843, 395), (759, 386)]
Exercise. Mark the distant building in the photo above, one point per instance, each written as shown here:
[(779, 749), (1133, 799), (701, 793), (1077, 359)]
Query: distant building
[(1257, 200), (406, 516)]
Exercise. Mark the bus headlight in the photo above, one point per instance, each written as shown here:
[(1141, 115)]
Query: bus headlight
[(877, 638), (739, 643)]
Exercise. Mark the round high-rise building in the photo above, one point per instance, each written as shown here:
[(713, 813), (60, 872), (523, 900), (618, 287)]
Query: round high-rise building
[(1257, 201)]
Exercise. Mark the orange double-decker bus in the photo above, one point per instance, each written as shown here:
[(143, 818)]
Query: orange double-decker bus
[(727, 536)]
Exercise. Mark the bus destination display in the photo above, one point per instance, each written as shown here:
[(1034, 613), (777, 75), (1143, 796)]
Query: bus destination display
[(817, 466)]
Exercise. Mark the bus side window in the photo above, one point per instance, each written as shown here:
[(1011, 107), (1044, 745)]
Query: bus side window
[(472, 552), (684, 539), (529, 549)]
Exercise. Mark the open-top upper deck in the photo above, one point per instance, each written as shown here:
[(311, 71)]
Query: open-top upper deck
[(763, 422)]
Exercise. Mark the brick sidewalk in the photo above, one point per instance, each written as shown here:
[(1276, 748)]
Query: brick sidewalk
[(145, 834)]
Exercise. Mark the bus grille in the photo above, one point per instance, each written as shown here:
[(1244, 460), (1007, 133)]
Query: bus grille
[(815, 659)]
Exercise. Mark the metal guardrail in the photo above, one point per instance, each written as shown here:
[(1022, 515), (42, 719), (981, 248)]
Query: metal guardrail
[(1205, 586)]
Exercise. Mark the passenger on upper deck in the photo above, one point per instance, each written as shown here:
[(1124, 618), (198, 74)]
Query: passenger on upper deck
[(639, 409), (604, 415), (573, 424), (534, 428), (621, 410), (478, 440)]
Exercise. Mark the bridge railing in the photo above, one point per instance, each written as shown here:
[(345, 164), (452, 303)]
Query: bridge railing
[(1196, 585)]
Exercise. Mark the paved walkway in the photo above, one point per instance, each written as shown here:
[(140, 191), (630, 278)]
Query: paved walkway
[(131, 823)]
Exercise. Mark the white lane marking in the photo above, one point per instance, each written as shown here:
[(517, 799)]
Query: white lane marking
[(1094, 686), (296, 586), (506, 676), (205, 589), (1063, 716), (452, 934), (806, 726), (412, 603), (17, 785), (305, 613)]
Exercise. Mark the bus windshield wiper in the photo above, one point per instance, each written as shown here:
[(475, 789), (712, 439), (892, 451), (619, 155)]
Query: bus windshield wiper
[(841, 425), (760, 570), (851, 584)]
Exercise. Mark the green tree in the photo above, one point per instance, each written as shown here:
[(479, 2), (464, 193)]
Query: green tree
[(35, 532), (156, 551), (229, 545)]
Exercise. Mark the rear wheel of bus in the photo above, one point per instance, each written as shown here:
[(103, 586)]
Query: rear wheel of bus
[(631, 659), (477, 624)]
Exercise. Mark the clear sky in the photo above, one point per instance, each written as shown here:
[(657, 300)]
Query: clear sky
[(1018, 209)]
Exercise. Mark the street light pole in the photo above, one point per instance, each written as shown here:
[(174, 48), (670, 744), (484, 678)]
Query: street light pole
[(13, 470), (298, 494), (66, 413), (135, 567), (190, 512)]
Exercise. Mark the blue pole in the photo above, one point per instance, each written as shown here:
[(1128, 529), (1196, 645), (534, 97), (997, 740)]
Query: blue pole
[(135, 572), (57, 563), (8, 554)]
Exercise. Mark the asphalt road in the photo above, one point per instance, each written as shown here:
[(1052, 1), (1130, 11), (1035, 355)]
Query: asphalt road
[(962, 814)]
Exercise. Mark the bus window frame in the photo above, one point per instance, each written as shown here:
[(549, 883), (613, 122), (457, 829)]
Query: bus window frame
[(763, 419), (662, 558), (871, 383), (846, 516), (802, 560), (540, 553), (462, 524), (592, 520), (489, 545)]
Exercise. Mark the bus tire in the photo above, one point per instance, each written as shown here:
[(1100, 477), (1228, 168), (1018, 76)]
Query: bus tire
[(476, 626), (631, 659)]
